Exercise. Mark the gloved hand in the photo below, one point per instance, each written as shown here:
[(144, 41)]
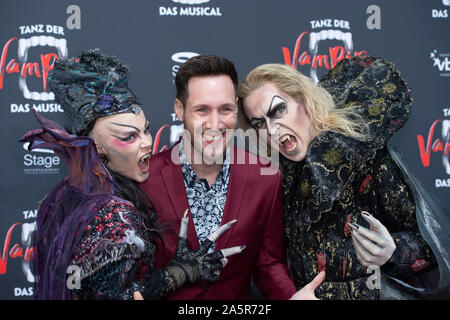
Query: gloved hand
[(373, 247), (186, 267), (191, 266)]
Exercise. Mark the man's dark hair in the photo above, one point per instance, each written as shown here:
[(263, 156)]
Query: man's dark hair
[(203, 65)]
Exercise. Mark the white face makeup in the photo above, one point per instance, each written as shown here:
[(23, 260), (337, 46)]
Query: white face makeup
[(283, 120), (126, 141)]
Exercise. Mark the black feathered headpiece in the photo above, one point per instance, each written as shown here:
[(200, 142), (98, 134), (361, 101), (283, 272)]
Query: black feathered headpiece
[(92, 86)]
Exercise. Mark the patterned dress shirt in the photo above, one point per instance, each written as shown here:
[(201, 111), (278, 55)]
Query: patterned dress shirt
[(206, 203)]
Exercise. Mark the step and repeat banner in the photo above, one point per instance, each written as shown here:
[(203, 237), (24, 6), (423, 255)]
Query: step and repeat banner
[(155, 37)]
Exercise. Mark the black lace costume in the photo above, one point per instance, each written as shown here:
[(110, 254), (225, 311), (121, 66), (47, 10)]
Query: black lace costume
[(112, 253), (340, 177)]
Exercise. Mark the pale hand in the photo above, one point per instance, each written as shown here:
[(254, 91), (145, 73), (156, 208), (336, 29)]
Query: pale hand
[(137, 296), (373, 247), (307, 292)]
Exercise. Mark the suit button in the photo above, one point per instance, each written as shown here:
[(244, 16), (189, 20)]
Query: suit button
[(207, 288)]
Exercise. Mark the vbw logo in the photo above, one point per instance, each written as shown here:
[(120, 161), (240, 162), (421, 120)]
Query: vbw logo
[(441, 61)]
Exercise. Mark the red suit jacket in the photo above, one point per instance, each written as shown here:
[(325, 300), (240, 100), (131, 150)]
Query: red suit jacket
[(254, 200)]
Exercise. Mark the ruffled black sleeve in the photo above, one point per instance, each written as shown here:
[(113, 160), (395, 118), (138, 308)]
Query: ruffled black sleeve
[(412, 255), (116, 261)]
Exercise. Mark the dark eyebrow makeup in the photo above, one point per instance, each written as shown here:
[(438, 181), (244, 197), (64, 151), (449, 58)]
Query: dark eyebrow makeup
[(126, 125), (276, 100), (133, 127)]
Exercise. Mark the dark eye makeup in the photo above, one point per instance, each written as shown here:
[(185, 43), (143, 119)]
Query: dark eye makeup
[(128, 137), (277, 107)]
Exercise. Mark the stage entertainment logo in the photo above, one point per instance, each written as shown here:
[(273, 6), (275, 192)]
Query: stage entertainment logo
[(439, 145), (441, 61), (38, 46), (190, 8), (328, 42), (40, 161)]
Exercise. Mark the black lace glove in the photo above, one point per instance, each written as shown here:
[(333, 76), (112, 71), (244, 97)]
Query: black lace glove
[(189, 266)]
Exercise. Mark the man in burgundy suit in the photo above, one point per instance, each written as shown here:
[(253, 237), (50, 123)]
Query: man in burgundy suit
[(205, 173)]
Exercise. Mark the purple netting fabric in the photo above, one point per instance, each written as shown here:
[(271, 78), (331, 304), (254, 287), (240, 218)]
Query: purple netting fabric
[(66, 211)]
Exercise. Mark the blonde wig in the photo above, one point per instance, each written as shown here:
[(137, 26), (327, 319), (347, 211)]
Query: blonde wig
[(319, 104)]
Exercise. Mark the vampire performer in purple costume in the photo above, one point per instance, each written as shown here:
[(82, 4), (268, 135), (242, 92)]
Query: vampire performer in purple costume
[(94, 237)]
